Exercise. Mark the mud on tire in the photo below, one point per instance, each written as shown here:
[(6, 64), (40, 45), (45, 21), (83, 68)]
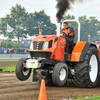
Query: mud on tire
[(87, 72)]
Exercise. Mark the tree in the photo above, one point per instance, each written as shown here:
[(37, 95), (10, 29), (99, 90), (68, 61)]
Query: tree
[(89, 26), (3, 26), (38, 20), (11, 45), (15, 19)]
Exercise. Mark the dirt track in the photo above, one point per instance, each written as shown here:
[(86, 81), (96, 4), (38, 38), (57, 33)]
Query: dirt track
[(8, 63), (13, 89)]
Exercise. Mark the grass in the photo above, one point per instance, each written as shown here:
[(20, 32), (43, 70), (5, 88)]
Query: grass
[(7, 69), (91, 98), (8, 59)]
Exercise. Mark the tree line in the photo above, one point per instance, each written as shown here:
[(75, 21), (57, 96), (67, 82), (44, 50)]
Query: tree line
[(25, 23)]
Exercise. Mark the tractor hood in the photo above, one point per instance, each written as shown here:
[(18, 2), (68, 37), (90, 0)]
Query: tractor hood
[(44, 37), (43, 43), (47, 47)]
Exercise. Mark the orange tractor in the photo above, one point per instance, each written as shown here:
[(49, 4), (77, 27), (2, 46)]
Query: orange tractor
[(51, 62)]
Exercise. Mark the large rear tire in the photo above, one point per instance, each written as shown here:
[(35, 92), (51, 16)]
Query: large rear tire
[(22, 73), (87, 72), (60, 74)]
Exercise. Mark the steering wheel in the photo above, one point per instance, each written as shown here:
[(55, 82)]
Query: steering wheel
[(65, 34)]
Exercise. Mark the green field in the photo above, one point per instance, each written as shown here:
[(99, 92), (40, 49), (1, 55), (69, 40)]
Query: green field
[(7, 69), (8, 59), (91, 98)]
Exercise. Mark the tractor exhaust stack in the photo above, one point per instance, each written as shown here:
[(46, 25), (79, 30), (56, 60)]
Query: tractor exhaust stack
[(58, 29)]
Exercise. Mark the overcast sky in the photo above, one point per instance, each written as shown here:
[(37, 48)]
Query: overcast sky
[(89, 7)]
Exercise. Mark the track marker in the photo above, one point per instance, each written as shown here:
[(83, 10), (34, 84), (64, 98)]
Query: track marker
[(42, 94)]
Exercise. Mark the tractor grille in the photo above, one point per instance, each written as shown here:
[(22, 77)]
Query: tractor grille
[(37, 45)]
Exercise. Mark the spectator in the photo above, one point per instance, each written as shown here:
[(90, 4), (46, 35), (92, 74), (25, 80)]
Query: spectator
[(14, 50), (19, 50), (5, 51), (10, 51), (23, 50), (27, 50), (0, 51)]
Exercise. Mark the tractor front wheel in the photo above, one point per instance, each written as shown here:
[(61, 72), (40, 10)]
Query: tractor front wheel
[(60, 74), (22, 73)]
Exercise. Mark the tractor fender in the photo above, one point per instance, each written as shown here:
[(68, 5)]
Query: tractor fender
[(80, 50)]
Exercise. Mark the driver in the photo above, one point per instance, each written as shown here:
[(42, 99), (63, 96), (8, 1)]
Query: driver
[(67, 32)]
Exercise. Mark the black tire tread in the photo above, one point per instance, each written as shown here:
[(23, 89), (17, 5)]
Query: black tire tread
[(81, 68), (56, 70), (18, 70)]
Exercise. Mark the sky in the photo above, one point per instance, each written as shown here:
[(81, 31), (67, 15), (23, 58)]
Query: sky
[(88, 7)]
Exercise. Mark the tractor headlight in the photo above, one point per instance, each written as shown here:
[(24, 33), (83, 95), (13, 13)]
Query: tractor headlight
[(45, 46), (31, 47)]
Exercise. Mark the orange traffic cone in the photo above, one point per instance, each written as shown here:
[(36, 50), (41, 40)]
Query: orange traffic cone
[(40, 33), (42, 94)]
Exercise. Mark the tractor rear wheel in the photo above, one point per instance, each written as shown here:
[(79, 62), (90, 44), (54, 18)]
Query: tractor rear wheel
[(60, 74), (22, 73), (87, 72)]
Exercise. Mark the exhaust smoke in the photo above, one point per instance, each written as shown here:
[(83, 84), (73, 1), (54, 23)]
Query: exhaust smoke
[(63, 6)]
